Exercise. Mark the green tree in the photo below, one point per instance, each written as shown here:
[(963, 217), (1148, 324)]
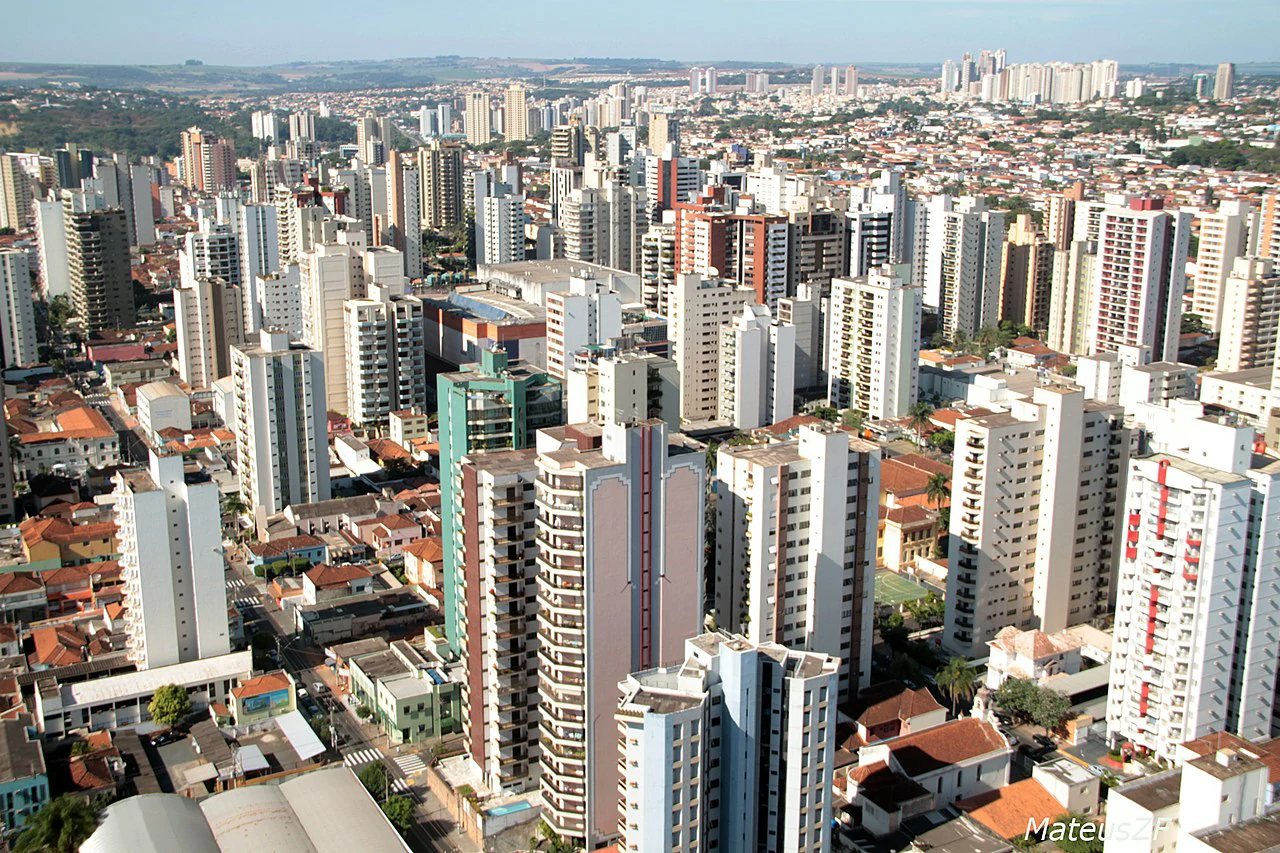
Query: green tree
[(170, 705), (320, 725), (944, 440), (927, 612), (376, 779), (938, 489), (918, 417), (1192, 324), (399, 810), (893, 630), (853, 419), (904, 668), (1050, 709), (60, 827), (1074, 833), (957, 681), (827, 413), (1016, 696)]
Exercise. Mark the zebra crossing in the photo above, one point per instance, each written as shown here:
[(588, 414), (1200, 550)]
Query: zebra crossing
[(411, 764), (236, 584), (245, 602), (361, 757)]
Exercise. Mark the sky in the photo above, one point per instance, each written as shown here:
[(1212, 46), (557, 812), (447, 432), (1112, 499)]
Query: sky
[(236, 32)]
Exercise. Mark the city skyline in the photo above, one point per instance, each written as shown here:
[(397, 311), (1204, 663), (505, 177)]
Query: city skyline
[(1136, 31)]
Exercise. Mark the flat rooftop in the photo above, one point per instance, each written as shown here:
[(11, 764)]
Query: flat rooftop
[(1154, 792), (131, 685)]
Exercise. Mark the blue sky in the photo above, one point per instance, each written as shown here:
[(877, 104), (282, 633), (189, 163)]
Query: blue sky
[(235, 32)]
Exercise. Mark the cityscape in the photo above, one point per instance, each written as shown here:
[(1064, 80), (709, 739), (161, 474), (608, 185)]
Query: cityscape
[(465, 454)]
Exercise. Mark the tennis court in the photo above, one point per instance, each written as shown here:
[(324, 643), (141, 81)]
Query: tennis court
[(895, 589)]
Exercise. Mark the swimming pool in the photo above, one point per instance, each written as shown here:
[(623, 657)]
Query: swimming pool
[(509, 808)]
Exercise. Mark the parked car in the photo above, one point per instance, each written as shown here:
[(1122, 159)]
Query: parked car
[(1034, 753), (165, 738), (1098, 770), (318, 688), (1045, 741)]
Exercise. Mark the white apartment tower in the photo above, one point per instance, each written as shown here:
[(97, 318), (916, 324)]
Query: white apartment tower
[(386, 366), (209, 315), (170, 533), (17, 316), (1250, 316), (732, 749), (1139, 278), (620, 543), (330, 274), (757, 369), (796, 545), (604, 225), (479, 123), (1196, 635), (962, 260), (873, 343), (1034, 542), (496, 554), (588, 314), (698, 309), (515, 114), (281, 423), (607, 385), (1222, 240)]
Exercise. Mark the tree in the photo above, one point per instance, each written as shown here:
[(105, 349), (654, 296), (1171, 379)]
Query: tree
[(375, 779), (853, 419), (938, 489), (60, 827), (399, 810), (1050, 708), (918, 417), (957, 681), (928, 612), (1074, 833), (1015, 696), (1192, 324), (1030, 703), (320, 725), (904, 668), (944, 440), (364, 712), (827, 413), (893, 630), (170, 705)]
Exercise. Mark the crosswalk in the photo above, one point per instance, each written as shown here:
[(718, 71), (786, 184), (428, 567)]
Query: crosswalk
[(400, 786), (236, 584), (246, 602), (361, 757), (410, 764)]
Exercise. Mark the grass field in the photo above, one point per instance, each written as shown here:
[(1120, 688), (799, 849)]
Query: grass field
[(893, 588)]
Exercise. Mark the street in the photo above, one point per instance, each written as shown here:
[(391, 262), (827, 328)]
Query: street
[(359, 744)]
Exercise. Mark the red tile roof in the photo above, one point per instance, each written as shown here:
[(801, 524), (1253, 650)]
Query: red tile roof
[(325, 575), (1008, 811), (923, 752), (267, 683)]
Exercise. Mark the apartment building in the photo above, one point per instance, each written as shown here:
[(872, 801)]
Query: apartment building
[(795, 545), (873, 344), (1222, 241), (731, 749), (622, 385), (620, 543), (1250, 316), (385, 344), (757, 369), (588, 314), (1033, 539), (699, 308)]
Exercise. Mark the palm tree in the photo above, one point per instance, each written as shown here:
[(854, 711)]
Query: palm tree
[(938, 490), (957, 681), (60, 827), (919, 419)]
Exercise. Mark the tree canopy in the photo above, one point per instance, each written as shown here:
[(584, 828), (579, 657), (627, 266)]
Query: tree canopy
[(60, 827), (170, 705)]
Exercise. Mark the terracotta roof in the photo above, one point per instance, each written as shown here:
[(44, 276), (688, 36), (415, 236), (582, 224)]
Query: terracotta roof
[(78, 421), (324, 575), (280, 547), (16, 582), (906, 516), (942, 746), (888, 790), (430, 549), (62, 532), (1006, 811), (791, 424), (397, 522), (884, 703), (386, 449), (89, 772), (1268, 752), (58, 646), (1032, 643), (267, 683)]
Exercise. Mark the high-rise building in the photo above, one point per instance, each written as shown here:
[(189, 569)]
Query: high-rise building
[(604, 225), (208, 163), (1266, 239), (374, 135), (492, 405), (496, 551), (51, 240), (670, 178), (795, 552), (698, 308), (818, 82), (15, 194), (209, 316), (479, 124), (873, 343), (1070, 297), (1034, 541), (98, 262), (169, 526), (620, 547), (1027, 275), (503, 229), (1250, 316), (1139, 278), (1060, 216), (588, 314), (278, 302), (440, 173), (757, 369), (265, 125), (259, 243), (516, 113), (17, 317), (386, 355), (1222, 239), (1194, 649), (750, 249), (753, 725), (622, 385), (664, 130), (962, 257), (281, 423), (7, 513), (658, 266), (302, 125), (819, 249), (330, 274), (851, 81), (805, 312), (1224, 83), (404, 210)]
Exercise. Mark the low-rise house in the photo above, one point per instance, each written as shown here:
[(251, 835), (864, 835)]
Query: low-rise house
[(24, 781), (413, 695), (890, 710), (327, 583), (22, 597), (926, 770), (1033, 654), (424, 563), (262, 697), (46, 538), (289, 549), (1055, 789), (906, 534), (60, 434), (388, 535)]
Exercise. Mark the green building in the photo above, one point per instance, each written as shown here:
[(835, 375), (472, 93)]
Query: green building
[(493, 405), (414, 696)]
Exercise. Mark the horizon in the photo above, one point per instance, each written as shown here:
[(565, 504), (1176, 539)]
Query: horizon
[(794, 32)]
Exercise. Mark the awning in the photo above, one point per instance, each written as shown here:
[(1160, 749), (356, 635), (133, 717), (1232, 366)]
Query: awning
[(300, 735)]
